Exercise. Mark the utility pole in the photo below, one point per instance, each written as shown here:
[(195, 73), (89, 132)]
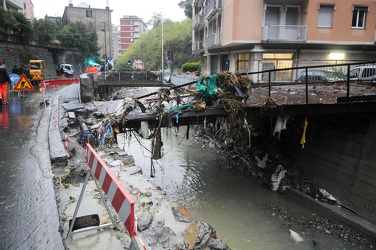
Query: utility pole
[(162, 53), (105, 50)]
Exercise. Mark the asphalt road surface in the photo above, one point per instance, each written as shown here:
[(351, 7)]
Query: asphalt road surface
[(28, 214)]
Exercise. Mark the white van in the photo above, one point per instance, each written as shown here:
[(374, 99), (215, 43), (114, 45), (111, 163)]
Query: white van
[(67, 69), (364, 73)]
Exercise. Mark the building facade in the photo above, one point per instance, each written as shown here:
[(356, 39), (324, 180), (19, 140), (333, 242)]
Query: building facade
[(251, 36), (131, 28), (99, 19)]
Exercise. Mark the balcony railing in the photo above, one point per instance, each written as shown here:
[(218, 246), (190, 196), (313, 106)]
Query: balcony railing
[(198, 22), (213, 40), (293, 33), (197, 47), (197, 2), (212, 8)]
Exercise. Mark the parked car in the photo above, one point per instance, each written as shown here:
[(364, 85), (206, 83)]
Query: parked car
[(364, 73), (64, 68), (320, 76)]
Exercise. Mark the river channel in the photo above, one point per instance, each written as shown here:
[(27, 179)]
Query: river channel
[(241, 209)]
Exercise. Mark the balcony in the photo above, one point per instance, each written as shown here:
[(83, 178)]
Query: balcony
[(284, 33), (213, 40), (198, 22), (197, 47), (213, 7), (196, 3)]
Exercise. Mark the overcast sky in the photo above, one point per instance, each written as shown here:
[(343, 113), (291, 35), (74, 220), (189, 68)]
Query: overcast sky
[(141, 8)]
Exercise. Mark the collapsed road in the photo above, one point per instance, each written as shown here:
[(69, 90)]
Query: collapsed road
[(259, 156)]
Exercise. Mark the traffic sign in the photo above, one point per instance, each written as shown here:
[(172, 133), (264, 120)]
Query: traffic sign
[(23, 84), (14, 78), (169, 62), (36, 77)]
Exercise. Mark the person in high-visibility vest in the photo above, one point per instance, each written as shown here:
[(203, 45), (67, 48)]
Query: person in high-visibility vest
[(94, 69), (4, 81)]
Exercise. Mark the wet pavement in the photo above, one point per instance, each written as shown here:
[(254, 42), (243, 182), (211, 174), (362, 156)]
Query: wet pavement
[(28, 213)]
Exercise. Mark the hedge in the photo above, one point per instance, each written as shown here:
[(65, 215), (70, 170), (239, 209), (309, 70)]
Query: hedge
[(190, 66)]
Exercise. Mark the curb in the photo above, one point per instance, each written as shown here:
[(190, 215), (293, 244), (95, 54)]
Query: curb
[(57, 150)]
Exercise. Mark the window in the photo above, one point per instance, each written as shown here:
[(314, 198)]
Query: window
[(277, 61), (292, 16), (325, 17), (242, 62), (89, 13), (367, 72), (359, 17)]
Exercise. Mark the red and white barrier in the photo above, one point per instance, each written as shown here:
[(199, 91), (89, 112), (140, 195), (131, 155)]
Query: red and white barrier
[(120, 199), (54, 82)]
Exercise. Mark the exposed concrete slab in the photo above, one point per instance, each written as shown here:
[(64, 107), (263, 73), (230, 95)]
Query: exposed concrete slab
[(74, 105)]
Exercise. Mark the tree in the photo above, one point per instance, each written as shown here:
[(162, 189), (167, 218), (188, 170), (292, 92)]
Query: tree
[(84, 38), (44, 31), (187, 7), (15, 24), (177, 38)]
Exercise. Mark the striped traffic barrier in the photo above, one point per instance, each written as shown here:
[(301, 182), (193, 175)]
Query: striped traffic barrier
[(120, 198)]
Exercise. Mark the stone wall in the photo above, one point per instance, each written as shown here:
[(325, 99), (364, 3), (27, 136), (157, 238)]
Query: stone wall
[(13, 53)]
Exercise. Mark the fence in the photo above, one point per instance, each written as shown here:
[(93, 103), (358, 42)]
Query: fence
[(329, 74)]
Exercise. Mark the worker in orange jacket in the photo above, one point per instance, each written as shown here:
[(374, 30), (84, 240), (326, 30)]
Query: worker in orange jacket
[(4, 81)]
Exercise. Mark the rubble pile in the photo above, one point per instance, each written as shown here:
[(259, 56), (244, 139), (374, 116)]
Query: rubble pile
[(161, 224)]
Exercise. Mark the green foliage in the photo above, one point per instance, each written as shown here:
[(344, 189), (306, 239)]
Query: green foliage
[(186, 5), (16, 25), (44, 31), (190, 66), (177, 37), (84, 38)]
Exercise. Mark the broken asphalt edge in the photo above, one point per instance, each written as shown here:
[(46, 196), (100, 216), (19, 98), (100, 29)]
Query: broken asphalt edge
[(57, 149)]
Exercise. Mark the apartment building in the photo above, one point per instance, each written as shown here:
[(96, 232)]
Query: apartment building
[(131, 28), (99, 19), (243, 35)]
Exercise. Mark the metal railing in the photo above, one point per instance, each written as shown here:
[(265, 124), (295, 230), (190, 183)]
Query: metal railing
[(284, 33), (198, 22), (213, 40), (197, 46), (212, 8), (344, 75)]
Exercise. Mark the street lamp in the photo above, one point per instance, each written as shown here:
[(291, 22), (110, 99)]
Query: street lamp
[(105, 45), (105, 49)]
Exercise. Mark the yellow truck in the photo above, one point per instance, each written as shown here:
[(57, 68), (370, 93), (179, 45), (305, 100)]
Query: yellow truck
[(38, 69)]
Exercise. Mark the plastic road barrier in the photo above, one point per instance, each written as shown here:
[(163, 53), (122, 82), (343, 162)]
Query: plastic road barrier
[(120, 199)]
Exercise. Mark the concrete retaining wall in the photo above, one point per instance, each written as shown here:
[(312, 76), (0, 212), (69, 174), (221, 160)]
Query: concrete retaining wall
[(340, 156)]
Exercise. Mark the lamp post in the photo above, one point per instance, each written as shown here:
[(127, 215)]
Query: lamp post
[(105, 49), (162, 52)]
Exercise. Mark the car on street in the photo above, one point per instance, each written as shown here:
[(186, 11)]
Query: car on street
[(320, 76), (65, 69), (364, 73)]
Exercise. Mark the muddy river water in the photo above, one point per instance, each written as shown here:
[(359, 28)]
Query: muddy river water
[(241, 209)]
